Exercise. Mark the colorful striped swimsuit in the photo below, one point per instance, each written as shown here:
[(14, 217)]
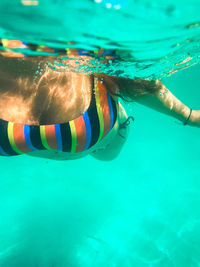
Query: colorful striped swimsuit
[(74, 136)]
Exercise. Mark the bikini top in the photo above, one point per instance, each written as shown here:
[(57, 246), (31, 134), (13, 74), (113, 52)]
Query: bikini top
[(74, 136)]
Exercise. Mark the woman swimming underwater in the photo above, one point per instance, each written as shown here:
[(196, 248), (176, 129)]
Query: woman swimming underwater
[(66, 115)]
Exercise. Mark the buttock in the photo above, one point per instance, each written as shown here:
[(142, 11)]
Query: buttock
[(101, 146), (59, 155)]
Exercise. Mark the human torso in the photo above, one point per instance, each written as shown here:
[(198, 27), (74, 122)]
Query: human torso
[(23, 106), (27, 98)]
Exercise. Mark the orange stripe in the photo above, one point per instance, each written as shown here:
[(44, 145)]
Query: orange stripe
[(18, 134), (73, 52), (13, 44), (104, 106), (81, 133), (50, 134), (11, 54)]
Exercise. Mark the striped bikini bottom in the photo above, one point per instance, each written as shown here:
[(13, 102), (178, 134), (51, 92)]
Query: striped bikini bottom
[(74, 136)]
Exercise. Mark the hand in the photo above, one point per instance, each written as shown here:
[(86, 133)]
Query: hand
[(194, 118)]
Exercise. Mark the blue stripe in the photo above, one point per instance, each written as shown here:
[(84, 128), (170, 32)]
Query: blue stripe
[(58, 137), (111, 111), (3, 152), (27, 137), (88, 130)]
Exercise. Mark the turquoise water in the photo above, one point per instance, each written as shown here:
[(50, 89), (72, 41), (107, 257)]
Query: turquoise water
[(140, 210), (150, 38)]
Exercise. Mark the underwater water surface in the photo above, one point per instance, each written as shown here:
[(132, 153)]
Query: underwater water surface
[(129, 38), (141, 209)]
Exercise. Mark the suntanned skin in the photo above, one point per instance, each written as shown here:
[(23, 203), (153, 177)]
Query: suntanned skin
[(51, 97), (35, 105), (22, 103)]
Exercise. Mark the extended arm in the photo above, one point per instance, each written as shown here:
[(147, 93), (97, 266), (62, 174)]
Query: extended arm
[(156, 96), (165, 102)]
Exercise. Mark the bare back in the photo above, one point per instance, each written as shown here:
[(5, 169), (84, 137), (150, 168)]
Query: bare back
[(33, 93)]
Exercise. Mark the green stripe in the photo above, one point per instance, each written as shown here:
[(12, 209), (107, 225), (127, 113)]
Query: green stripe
[(11, 138), (74, 136), (99, 110), (43, 137)]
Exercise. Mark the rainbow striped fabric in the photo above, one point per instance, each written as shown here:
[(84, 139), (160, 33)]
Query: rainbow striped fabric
[(74, 136), (17, 48)]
